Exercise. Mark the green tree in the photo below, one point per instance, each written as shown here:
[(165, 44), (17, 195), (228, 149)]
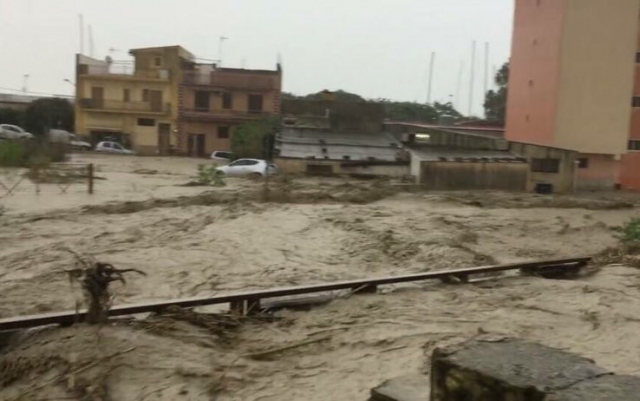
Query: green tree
[(46, 113), (13, 117), (495, 103), (254, 139)]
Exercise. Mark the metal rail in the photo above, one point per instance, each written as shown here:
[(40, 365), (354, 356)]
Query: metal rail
[(247, 301)]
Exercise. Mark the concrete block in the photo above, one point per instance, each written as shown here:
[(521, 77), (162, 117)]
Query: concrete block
[(403, 388), (604, 388), (505, 370)]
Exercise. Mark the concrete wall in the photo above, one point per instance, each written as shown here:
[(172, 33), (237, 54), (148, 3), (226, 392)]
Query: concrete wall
[(438, 137), (596, 81), (563, 181), (480, 176), (602, 173), (630, 171), (344, 116), (210, 130), (239, 100), (299, 166), (535, 71)]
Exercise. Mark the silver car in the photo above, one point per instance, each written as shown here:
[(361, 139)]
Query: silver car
[(248, 167), (112, 147), (8, 131)]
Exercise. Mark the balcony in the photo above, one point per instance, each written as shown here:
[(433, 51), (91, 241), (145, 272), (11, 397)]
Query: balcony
[(230, 81), (205, 115), (119, 106), (125, 71)]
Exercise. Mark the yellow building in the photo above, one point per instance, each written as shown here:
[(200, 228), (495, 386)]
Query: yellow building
[(137, 104)]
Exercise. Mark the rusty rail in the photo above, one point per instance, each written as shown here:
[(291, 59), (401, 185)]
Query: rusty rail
[(247, 301)]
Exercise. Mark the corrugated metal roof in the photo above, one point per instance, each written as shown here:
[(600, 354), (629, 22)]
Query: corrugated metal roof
[(442, 153), (300, 143)]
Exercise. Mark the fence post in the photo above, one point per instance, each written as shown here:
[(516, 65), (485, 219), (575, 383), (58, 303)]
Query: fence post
[(90, 178)]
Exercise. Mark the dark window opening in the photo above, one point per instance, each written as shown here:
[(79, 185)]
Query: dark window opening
[(319, 169), (227, 100), (255, 103), (637, 57), (583, 162), (201, 101), (223, 132), (634, 145), (545, 165), (146, 122), (636, 101), (157, 61), (126, 95), (145, 95), (346, 157)]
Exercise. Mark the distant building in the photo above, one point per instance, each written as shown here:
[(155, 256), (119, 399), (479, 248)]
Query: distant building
[(213, 101), (571, 85), (15, 102), (165, 102)]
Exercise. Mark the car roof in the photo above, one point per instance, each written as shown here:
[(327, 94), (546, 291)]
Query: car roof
[(253, 160)]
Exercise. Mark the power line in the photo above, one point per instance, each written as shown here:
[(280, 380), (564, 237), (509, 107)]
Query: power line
[(19, 92)]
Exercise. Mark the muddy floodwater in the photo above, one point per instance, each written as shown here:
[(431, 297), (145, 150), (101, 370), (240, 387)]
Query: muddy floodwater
[(199, 241)]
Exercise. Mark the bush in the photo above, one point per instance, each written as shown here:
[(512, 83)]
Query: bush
[(30, 153), (630, 231), (208, 175)]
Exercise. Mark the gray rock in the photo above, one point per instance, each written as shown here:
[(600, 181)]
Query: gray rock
[(403, 388), (604, 388)]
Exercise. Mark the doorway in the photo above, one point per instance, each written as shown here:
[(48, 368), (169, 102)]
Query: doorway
[(164, 130), (196, 145)]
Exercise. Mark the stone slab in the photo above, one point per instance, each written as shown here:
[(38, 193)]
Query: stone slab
[(604, 388), (505, 369), (403, 388)]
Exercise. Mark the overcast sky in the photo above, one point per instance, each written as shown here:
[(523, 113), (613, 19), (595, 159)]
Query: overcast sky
[(376, 48)]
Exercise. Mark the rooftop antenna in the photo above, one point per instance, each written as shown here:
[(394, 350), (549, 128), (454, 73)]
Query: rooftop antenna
[(433, 60), (25, 78), (81, 20), (220, 43), (486, 68), (459, 85), (471, 80), (90, 40)]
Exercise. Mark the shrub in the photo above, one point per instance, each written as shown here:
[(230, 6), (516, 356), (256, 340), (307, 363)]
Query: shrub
[(630, 231), (30, 153), (208, 175)]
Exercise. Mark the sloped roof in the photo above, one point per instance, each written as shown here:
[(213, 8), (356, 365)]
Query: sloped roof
[(445, 153), (318, 144)]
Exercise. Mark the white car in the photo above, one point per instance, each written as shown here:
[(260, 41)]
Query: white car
[(112, 147), (248, 167), (78, 144), (8, 131), (221, 157)]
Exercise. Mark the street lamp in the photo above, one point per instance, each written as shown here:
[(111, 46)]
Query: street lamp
[(25, 77), (69, 82)]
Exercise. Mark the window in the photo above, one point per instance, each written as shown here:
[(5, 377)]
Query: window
[(222, 155), (637, 57), (255, 103), (201, 100), (227, 100), (107, 145), (545, 165), (634, 144), (126, 95), (145, 95), (223, 132), (146, 122), (118, 146), (636, 101), (157, 62), (583, 162), (250, 162)]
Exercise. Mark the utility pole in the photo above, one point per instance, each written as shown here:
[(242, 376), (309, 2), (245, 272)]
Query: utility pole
[(472, 79), (486, 67), (433, 60), (90, 40), (459, 86), (25, 78), (81, 20), (220, 43)]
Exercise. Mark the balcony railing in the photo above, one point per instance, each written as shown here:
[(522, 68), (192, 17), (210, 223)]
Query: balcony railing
[(225, 80), (212, 115), (124, 70), (122, 106)]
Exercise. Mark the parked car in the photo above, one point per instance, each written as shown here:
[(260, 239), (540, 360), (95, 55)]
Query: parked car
[(79, 144), (8, 131), (248, 167), (112, 147), (222, 157), (67, 138)]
